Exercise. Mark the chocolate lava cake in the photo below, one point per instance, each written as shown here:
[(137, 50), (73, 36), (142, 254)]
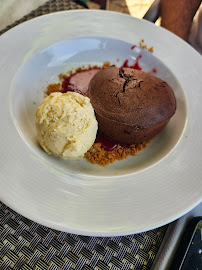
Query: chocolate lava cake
[(131, 106)]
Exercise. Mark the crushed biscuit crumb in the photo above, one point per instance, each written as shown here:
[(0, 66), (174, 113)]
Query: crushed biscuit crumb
[(151, 49), (98, 155), (144, 46), (106, 65), (60, 76), (51, 88)]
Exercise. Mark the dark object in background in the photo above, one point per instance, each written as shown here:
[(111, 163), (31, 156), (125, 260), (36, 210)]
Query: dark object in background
[(153, 12), (81, 3), (84, 3), (102, 3), (188, 255)]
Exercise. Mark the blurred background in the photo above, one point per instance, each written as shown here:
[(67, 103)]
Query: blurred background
[(12, 10)]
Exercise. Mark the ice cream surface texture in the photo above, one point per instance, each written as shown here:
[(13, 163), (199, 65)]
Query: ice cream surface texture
[(66, 124)]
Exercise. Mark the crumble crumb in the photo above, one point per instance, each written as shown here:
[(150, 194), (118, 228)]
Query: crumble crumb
[(144, 46), (60, 76), (98, 155), (151, 49), (51, 88)]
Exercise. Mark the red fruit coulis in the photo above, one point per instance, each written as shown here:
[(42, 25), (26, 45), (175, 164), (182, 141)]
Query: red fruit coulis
[(133, 47), (134, 66), (107, 143)]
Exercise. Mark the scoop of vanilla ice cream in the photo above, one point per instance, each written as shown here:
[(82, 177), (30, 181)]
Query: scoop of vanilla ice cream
[(66, 124)]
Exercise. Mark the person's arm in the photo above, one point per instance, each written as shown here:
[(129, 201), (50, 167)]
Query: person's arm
[(177, 15)]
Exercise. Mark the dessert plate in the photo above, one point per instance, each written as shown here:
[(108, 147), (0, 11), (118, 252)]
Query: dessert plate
[(160, 184)]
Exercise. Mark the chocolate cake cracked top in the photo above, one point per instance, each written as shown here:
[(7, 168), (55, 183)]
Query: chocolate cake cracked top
[(131, 106)]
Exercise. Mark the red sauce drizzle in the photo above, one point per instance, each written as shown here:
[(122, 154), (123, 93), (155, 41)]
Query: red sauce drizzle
[(107, 143), (133, 47), (134, 66), (66, 84)]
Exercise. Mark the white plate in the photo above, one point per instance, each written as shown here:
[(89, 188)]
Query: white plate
[(159, 185)]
